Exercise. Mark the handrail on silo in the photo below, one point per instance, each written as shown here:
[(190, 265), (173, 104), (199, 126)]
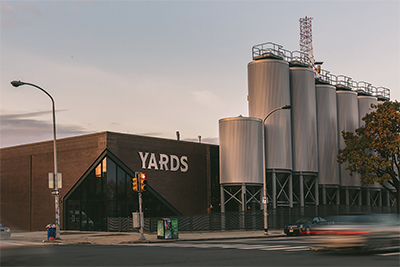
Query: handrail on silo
[(373, 90), (286, 54), (273, 50), (299, 57), (344, 82), (383, 93), (364, 88), (325, 76), (267, 50)]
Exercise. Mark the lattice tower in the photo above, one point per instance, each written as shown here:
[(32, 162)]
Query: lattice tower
[(306, 39)]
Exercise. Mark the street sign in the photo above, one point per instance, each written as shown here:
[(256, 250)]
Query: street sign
[(52, 180), (55, 192)]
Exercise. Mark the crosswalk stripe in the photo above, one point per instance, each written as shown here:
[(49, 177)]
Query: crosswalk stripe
[(298, 248), (241, 246), (277, 248), (19, 244), (227, 246), (251, 247), (389, 254)]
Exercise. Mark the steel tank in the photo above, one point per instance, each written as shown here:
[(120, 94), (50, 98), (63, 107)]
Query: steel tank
[(328, 145), (364, 106), (348, 120), (269, 88), (304, 120), (240, 144)]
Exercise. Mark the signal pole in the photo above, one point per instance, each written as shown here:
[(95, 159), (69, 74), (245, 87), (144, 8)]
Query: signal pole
[(137, 186), (141, 217)]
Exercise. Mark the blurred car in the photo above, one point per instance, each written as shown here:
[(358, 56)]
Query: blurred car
[(369, 232), (302, 225), (5, 232)]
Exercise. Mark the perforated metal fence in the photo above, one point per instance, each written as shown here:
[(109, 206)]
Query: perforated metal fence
[(250, 220)]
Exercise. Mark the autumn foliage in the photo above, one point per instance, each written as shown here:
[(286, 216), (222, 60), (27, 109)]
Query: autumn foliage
[(374, 149)]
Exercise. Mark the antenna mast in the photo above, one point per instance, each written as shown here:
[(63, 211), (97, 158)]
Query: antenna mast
[(306, 39)]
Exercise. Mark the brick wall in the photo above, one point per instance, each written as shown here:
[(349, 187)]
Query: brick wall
[(25, 200), (26, 203)]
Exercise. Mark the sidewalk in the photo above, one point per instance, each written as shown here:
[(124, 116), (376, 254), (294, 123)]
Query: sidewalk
[(112, 238)]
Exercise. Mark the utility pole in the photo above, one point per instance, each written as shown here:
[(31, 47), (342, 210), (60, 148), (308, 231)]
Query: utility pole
[(141, 217), (139, 185)]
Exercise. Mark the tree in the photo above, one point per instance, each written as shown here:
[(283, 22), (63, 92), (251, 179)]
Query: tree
[(374, 149)]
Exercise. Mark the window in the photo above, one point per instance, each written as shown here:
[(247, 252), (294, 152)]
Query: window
[(106, 191)]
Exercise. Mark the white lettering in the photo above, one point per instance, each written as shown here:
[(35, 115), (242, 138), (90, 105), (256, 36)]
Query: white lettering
[(163, 162), (152, 162), (184, 164), (143, 158), (175, 163), (174, 167)]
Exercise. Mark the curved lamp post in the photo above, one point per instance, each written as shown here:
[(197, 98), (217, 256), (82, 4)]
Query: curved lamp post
[(264, 176), (57, 198)]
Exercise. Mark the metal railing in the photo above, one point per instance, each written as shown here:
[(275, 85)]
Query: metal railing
[(249, 220), (382, 93), (267, 50), (365, 88), (272, 50), (276, 51), (299, 57), (344, 82)]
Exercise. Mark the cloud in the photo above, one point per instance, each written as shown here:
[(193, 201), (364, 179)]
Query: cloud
[(23, 128), (18, 13), (5, 7), (207, 98)]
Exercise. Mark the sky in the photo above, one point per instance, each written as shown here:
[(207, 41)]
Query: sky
[(156, 67)]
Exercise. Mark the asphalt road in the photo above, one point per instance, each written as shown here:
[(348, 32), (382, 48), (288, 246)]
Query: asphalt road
[(280, 251)]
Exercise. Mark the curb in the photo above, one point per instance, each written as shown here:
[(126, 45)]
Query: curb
[(183, 240), (114, 240)]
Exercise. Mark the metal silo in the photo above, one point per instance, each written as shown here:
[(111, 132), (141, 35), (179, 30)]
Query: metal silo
[(348, 120), (371, 193), (304, 120), (304, 135), (328, 145), (364, 106), (269, 88), (240, 144)]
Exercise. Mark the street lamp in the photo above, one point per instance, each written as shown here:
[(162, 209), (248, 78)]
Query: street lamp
[(264, 176), (57, 198)]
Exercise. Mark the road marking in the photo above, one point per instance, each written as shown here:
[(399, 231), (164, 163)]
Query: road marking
[(300, 248), (241, 246), (251, 247), (389, 254), (227, 246), (277, 248), (5, 244)]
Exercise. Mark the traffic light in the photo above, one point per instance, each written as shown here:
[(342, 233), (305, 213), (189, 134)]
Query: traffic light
[(143, 182), (135, 185)]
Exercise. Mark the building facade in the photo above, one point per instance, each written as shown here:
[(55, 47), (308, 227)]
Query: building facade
[(97, 171)]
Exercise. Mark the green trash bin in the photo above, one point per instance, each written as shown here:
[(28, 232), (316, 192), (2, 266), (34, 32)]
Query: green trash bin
[(174, 226)]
